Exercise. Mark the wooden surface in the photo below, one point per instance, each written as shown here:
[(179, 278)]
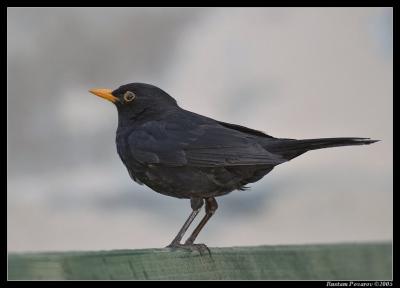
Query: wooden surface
[(326, 262)]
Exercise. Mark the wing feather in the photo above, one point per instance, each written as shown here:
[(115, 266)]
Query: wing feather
[(205, 145)]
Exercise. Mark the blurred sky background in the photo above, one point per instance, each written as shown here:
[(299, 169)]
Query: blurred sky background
[(291, 72)]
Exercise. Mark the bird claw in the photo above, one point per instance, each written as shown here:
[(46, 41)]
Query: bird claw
[(201, 248)]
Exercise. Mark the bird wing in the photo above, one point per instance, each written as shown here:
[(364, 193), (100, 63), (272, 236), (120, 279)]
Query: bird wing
[(202, 145)]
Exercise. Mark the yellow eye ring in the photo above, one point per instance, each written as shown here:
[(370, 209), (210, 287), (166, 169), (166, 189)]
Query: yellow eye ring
[(129, 96)]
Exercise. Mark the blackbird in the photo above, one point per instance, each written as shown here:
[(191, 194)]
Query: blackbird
[(182, 154)]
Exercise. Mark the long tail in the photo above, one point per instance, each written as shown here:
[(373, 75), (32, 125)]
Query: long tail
[(291, 148)]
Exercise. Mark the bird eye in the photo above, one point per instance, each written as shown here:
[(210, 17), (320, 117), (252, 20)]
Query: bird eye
[(129, 96)]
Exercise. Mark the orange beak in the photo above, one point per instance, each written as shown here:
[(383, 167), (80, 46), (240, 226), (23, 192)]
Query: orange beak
[(104, 93)]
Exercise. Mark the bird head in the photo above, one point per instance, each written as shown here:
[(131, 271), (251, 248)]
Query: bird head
[(136, 99)]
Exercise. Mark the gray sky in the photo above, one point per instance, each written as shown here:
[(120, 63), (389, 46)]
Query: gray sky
[(291, 72)]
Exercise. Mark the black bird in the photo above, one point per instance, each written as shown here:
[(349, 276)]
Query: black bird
[(182, 154)]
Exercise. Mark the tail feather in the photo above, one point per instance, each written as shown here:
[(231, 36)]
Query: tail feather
[(291, 148)]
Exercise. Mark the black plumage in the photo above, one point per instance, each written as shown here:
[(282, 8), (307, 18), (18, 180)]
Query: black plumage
[(186, 155)]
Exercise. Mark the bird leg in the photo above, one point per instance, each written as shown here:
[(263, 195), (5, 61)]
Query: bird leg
[(211, 207), (196, 204)]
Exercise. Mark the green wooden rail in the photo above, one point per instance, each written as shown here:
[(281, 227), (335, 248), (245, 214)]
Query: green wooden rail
[(359, 261)]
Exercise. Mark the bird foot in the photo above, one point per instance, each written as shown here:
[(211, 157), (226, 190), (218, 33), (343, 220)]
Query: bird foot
[(201, 248)]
